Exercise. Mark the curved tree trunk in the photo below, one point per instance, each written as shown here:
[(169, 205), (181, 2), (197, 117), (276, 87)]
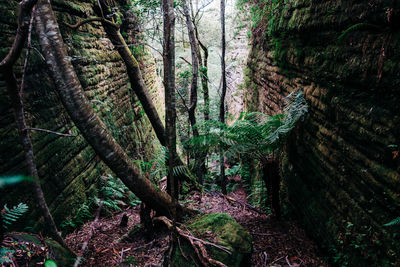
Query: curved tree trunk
[(87, 121), (137, 82), (6, 67)]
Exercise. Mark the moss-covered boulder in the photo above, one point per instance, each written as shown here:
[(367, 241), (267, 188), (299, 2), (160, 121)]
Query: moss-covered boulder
[(222, 229)]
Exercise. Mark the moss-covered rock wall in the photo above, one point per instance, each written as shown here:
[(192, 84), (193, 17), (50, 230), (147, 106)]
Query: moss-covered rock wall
[(341, 172), (68, 166)]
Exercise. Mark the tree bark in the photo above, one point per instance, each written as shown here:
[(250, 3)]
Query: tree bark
[(203, 74), (222, 102), (169, 85), (17, 104), (87, 121), (24, 12), (199, 165), (6, 67), (134, 73), (272, 179), (137, 82)]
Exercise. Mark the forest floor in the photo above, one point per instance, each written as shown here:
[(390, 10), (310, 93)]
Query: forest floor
[(275, 243)]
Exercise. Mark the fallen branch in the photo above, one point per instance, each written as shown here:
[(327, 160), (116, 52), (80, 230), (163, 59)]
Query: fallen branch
[(92, 226), (243, 203), (197, 244)]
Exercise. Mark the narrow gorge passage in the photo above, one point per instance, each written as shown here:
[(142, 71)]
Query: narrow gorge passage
[(200, 133), (275, 243)]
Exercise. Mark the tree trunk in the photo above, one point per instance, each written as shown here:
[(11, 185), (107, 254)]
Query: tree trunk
[(6, 65), (17, 104), (169, 85), (203, 74), (137, 82), (82, 114), (134, 74), (222, 102), (199, 165), (271, 178), (170, 109)]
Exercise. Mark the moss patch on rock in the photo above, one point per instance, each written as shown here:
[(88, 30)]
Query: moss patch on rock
[(222, 229)]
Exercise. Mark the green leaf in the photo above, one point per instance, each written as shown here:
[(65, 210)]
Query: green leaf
[(10, 180), (50, 263)]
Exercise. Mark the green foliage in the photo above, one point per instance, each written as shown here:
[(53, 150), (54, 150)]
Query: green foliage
[(6, 255), (157, 167), (11, 180), (395, 222), (50, 263), (253, 134), (264, 12), (11, 215)]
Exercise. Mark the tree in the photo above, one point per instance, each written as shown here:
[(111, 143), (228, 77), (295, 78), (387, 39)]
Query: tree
[(82, 114), (6, 67), (169, 86), (256, 137), (199, 165), (223, 93)]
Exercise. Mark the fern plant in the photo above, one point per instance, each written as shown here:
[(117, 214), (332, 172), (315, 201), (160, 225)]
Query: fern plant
[(13, 214), (395, 222), (254, 134)]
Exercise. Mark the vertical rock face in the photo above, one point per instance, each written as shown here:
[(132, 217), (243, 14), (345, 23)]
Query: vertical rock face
[(68, 166), (341, 172)]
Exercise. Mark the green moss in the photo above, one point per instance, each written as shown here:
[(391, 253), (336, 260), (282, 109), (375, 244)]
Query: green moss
[(228, 233)]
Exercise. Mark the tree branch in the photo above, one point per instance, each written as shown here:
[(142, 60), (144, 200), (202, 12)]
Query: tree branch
[(88, 20), (24, 12), (49, 131)]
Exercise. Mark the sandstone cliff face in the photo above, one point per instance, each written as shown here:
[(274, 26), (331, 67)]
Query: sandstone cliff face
[(340, 173), (68, 166)]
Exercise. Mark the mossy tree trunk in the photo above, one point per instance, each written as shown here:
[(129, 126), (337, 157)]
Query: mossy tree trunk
[(84, 117)]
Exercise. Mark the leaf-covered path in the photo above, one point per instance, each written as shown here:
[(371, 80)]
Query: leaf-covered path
[(275, 243)]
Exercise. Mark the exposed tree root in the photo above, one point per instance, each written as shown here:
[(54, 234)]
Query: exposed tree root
[(197, 244)]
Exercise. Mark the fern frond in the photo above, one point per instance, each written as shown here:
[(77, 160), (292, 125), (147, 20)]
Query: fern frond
[(395, 222), (11, 215)]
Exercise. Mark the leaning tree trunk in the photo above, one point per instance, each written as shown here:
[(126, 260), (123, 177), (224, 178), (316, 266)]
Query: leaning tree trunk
[(6, 67), (134, 72), (84, 117), (136, 79), (222, 102)]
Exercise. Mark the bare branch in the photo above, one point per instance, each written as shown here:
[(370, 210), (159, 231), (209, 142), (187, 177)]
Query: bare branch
[(98, 19), (49, 131)]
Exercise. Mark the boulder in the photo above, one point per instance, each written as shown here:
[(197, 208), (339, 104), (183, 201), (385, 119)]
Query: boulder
[(221, 229)]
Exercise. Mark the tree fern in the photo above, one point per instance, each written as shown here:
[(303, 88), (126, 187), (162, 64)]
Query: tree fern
[(252, 134), (11, 215)]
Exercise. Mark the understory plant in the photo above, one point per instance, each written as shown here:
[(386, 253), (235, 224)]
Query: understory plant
[(254, 136)]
